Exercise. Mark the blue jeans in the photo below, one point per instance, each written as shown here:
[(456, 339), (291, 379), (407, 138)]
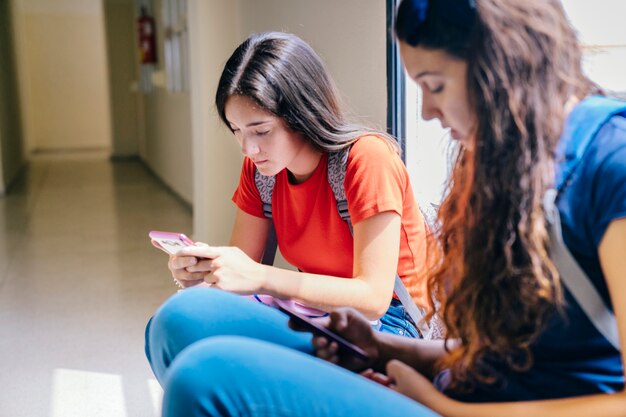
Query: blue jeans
[(219, 354), (398, 321)]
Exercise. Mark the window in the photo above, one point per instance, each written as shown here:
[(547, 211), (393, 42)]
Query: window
[(429, 151), (176, 44), (603, 36), (427, 148)]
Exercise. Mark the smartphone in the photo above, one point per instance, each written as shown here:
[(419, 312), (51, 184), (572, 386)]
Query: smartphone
[(169, 242), (317, 329)]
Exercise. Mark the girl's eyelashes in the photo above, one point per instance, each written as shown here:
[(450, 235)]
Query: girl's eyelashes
[(437, 89), (257, 133), (431, 87)]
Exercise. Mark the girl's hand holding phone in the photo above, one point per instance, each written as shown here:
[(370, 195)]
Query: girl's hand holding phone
[(353, 326), (172, 243), (178, 266), (226, 267)]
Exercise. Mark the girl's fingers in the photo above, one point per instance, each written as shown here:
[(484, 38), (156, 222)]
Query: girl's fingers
[(186, 284), (185, 276), (181, 262), (201, 251), (203, 265)]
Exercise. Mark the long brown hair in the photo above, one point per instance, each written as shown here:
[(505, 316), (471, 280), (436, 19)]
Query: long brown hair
[(282, 74), (496, 282)]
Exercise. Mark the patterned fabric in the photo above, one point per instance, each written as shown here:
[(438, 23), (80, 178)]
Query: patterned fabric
[(265, 185), (337, 162)]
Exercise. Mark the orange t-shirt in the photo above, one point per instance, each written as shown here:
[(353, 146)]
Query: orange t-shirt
[(310, 233)]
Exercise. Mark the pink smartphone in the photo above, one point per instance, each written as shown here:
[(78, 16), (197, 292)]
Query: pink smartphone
[(317, 329), (169, 242)]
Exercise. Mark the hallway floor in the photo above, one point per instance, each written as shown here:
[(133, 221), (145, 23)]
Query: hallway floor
[(78, 282)]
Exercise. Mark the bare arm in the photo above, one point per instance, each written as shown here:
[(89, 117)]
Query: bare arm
[(381, 347), (421, 355), (612, 252), (376, 248), (250, 234), (376, 251)]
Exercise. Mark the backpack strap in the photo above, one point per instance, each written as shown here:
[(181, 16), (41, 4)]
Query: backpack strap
[(582, 125), (575, 279), (337, 167), (265, 185)]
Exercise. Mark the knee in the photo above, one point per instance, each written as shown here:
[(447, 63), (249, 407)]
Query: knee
[(178, 323), (188, 308), (204, 360), (207, 375)]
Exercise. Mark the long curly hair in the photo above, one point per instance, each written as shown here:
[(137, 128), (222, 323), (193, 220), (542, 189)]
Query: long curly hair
[(495, 279)]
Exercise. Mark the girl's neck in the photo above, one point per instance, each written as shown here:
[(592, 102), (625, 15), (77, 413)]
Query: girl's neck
[(304, 165), (571, 102)]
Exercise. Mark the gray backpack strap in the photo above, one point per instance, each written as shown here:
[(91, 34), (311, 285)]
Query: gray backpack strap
[(575, 279), (417, 314), (337, 167), (265, 185)]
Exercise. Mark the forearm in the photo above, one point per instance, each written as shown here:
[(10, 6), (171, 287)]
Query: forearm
[(327, 292), (601, 405), (422, 355), (375, 262)]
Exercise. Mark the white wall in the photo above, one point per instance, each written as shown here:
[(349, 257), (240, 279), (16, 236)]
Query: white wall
[(350, 35), (167, 118), (63, 79), (123, 69), (166, 147), (214, 31), (603, 35)]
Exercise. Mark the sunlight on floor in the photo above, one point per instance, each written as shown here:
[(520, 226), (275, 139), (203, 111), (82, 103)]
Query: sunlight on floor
[(81, 393), (156, 393), (85, 220)]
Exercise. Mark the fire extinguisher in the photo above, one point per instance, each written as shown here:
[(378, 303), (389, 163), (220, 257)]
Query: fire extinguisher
[(147, 37)]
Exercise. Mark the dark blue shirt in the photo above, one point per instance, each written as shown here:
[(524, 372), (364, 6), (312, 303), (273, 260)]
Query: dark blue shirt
[(571, 358)]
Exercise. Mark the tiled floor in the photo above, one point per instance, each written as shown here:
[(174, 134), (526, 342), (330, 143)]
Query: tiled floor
[(78, 281)]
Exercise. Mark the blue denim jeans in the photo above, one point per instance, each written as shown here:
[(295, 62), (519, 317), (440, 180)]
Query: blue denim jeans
[(219, 354), (398, 321)]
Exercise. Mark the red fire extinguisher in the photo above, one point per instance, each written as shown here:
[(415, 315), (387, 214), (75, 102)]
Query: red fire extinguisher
[(147, 37)]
